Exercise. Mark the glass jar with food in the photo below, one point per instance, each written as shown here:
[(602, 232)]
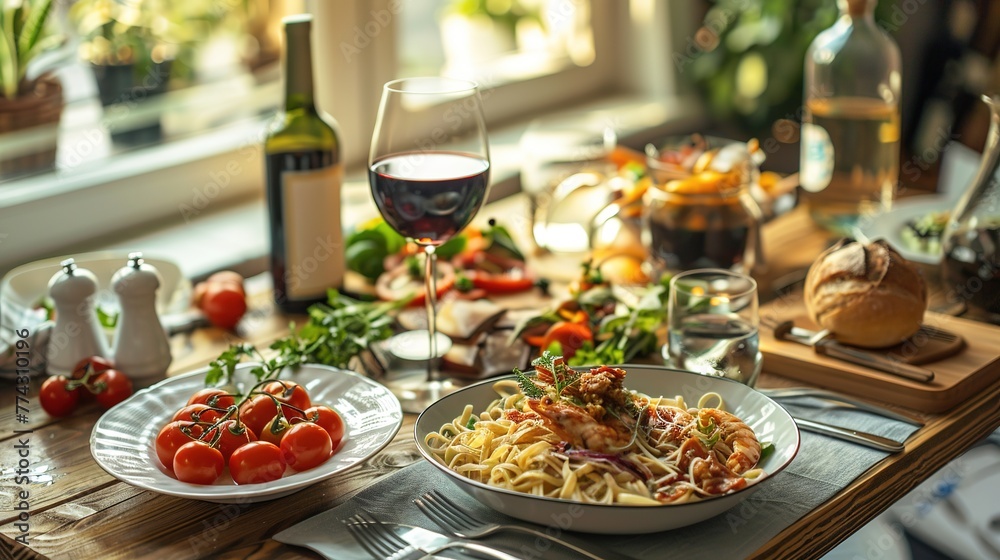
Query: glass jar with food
[(700, 212)]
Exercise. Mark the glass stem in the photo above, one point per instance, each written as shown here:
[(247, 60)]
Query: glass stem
[(431, 301)]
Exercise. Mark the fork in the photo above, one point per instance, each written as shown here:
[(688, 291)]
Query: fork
[(453, 519), (381, 542)]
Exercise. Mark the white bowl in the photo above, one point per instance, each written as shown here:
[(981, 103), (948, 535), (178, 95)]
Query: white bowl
[(769, 421), (123, 438)]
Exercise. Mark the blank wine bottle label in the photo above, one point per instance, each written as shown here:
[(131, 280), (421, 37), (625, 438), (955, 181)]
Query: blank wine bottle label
[(817, 158), (313, 235)]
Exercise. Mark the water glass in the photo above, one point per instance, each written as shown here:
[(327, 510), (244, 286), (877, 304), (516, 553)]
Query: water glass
[(563, 171), (713, 325)]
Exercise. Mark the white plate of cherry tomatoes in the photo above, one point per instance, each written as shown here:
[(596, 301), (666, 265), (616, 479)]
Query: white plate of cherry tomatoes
[(124, 439)]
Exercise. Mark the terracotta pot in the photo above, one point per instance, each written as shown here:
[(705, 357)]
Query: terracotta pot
[(34, 117)]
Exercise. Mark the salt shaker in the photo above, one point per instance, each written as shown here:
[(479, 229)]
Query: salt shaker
[(77, 334), (141, 347)]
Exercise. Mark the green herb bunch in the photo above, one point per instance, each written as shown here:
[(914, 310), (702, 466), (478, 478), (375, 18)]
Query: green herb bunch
[(334, 334)]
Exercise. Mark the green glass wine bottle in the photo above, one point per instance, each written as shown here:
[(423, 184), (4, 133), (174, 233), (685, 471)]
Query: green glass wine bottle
[(304, 178)]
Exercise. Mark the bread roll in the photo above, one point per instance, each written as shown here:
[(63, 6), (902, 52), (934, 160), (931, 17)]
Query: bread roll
[(867, 295)]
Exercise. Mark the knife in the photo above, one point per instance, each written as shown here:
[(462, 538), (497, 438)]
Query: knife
[(838, 399), (847, 434), (824, 343)]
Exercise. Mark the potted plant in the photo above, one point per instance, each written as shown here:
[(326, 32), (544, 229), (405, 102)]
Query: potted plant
[(27, 103), (127, 48)]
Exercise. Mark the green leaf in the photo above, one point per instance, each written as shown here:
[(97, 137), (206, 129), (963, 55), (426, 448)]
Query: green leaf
[(32, 30), (452, 247), (528, 387), (107, 320), (766, 450), (9, 70)]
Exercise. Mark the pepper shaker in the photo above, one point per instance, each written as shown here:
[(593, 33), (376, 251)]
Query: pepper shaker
[(77, 333), (141, 348)]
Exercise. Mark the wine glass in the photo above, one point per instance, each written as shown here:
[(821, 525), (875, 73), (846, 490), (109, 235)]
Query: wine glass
[(429, 169)]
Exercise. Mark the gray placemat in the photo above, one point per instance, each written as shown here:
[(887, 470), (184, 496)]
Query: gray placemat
[(822, 467)]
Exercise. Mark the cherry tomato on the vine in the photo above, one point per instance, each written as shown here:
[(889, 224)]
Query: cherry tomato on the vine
[(258, 411), (255, 462), (172, 437), (306, 445), (198, 412), (289, 392), (232, 436), (56, 398), (328, 419), (197, 462), (214, 397), (275, 430), (96, 365), (112, 387)]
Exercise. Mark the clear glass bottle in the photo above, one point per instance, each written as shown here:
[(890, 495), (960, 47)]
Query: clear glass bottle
[(304, 178), (851, 119)]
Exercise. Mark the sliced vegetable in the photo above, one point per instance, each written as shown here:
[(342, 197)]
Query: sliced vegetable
[(400, 284)]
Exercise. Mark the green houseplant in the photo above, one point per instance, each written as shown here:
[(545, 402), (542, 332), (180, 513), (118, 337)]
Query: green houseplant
[(29, 105), (128, 48)]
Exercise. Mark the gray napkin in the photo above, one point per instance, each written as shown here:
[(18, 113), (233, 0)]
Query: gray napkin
[(822, 467)]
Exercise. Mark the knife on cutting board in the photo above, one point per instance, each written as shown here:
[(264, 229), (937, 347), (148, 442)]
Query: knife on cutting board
[(824, 343)]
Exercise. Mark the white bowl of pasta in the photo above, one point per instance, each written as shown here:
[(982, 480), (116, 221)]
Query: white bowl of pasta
[(578, 456)]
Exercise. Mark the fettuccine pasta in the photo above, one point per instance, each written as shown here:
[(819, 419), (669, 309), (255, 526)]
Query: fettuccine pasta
[(584, 437)]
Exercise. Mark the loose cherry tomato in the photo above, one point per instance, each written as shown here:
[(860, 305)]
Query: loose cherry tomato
[(258, 411), (224, 305), (213, 397), (198, 412), (275, 430), (197, 462), (229, 277), (256, 462), (232, 436), (289, 392), (56, 398), (306, 445), (172, 437), (112, 387), (97, 364), (328, 419)]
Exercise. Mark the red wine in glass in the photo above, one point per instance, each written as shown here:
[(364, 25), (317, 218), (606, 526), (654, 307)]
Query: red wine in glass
[(429, 196)]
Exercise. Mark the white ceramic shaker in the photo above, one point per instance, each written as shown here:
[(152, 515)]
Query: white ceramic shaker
[(77, 334), (141, 346)]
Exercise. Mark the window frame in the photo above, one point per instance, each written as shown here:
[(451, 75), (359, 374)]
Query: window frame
[(176, 185)]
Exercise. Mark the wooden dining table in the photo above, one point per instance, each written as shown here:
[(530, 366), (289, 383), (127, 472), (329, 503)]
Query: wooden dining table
[(62, 504)]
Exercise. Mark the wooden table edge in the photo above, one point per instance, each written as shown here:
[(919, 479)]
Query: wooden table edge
[(929, 449)]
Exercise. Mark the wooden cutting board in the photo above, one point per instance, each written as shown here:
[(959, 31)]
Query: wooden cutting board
[(956, 377)]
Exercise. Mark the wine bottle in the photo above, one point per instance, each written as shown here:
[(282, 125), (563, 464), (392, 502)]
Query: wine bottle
[(304, 177)]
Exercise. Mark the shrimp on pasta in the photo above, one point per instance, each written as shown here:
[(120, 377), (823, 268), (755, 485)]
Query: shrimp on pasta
[(582, 435)]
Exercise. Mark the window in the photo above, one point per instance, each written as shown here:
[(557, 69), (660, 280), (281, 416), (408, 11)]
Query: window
[(563, 52)]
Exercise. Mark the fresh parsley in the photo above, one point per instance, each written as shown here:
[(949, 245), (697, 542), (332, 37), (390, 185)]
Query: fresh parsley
[(334, 333)]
